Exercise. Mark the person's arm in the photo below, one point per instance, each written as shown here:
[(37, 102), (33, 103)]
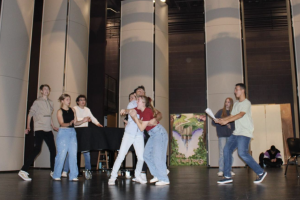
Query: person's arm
[(230, 118), (27, 130), (94, 120), (78, 123), (54, 128), (217, 115), (158, 115)]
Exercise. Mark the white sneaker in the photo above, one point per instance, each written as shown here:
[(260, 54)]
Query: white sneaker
[(127, 175), (162, 183), (112, 181), (51, 174), (140, 180), (220, 174), (154, 180), (56, 179), (75, 179), (143, 176), (64, 174), (133, 180), (24, 175), (232, 173), (168, 171)]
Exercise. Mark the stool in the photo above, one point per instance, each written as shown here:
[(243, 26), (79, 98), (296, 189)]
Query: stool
[(102, 161)]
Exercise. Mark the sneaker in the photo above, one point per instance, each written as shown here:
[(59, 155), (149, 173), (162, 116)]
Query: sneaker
[(220, 174), (225, 180), (143, 176), (24, 175), (232, 173), (260, 178), (64, 174), (88, 174), (162, 183), (168, 171), (56, 179), (133, 180), (127, 175), (51, 174), (112, 181), (154, 180), (75, 179), (140, 180)]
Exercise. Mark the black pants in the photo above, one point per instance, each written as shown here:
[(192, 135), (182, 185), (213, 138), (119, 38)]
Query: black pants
[(38, 140), (277, 164)]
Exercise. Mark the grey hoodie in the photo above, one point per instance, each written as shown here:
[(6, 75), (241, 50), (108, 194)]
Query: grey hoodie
[(41, 111)]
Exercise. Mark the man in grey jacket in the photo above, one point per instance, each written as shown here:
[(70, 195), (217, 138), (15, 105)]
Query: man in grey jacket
[(41, 111)]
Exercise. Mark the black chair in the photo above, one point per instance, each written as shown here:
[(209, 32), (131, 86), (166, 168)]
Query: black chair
[(294, 148)]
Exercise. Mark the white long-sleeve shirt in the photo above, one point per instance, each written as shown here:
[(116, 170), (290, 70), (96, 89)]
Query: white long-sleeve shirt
[(82, 113)]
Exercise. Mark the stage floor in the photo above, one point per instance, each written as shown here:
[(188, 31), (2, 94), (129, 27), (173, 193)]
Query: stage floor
[(187, 183)]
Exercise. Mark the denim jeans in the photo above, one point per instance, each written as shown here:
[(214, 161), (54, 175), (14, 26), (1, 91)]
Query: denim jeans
[(242, 144), (138, 144), (66, 142), (87, 161), (156, 151), (222, 143)]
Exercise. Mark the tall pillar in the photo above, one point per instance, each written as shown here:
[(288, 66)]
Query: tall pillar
[(144, 53), (64, 54), (295, 64), (15, 41), (224, 62)]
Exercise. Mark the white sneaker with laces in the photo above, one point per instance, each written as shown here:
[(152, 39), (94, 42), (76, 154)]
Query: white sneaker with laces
[(154, 180), (232, 173), (143, 176), (64, 174), (220, 174), (140, 180), (51, 174), (112, 181), (162, 183), (24, 175)]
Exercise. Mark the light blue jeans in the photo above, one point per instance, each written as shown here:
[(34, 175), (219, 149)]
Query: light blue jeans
[(222, 143), (66, 142), (242, 144), (87, 161), (156, 151), (137, 140)]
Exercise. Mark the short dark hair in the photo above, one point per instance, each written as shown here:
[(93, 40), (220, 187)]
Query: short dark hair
[(273, 148), (139, 87), (130, 95), (241, 85), (80, 96), (45, 85)]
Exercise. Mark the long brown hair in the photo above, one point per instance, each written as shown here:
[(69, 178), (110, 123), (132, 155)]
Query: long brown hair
[(224, 112), (147, 101)]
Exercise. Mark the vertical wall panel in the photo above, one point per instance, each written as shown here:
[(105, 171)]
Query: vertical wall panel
[(15, 41), (224, 65)]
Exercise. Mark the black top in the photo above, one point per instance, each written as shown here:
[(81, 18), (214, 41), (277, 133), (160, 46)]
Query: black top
[(68, 116), (223, 131)]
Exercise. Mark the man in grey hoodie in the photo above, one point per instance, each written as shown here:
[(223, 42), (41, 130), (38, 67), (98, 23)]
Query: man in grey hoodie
[(41, 111)]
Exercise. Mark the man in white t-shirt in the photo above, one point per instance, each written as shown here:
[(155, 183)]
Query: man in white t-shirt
[(241, 137), (81, 112)]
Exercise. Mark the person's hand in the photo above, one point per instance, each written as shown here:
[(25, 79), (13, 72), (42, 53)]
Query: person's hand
[(99, 125), (125, 122), (27, 130), (55, 128), (122, 112), (71, 122), (223, 122), (90, 119), (86, 119), (229, 126), (217, 120), (152, 122), (133, 113)]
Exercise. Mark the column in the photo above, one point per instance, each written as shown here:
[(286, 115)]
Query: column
[(15, 42), (224, 62), (64, 54)]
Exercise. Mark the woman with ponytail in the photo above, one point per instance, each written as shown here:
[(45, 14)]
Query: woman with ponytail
[(156, 148)]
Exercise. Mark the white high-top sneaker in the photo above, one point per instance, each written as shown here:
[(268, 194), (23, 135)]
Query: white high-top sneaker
[(24, 175)]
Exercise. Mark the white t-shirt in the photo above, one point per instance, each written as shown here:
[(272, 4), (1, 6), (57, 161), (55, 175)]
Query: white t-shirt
[(243, 126), (131, 127), (82, 113)]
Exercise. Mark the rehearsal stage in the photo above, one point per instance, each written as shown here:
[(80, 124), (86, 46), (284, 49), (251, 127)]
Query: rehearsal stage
[(187, 183)]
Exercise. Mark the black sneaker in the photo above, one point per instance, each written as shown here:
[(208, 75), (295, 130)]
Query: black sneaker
[(225, 180), (260, 178)]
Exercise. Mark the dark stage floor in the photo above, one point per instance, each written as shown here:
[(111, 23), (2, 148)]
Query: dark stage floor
[(187, 182)]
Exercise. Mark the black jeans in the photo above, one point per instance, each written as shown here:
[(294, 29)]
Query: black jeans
[(38, 140)]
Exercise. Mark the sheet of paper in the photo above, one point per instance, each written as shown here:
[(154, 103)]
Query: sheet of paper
[(210, 113)]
